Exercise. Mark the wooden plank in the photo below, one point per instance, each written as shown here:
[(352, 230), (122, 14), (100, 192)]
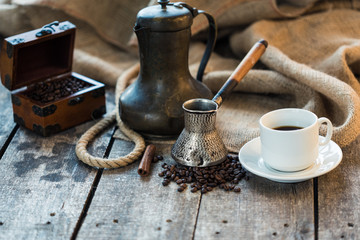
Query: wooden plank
[(339, 195), (6, 115), (43, 186), (127, 206), (262, 210)]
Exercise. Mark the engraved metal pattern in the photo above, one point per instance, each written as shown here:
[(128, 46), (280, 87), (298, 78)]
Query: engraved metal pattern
[(7, 82), (17, 41), (44, 112), (47, 29), (51, 129), (66, 26), (38, 129), (199, 144), (47, 131), (19, 120), (16, 100), (10, 46), (97, 113), (9, 50), (43, 32), (75, 101)]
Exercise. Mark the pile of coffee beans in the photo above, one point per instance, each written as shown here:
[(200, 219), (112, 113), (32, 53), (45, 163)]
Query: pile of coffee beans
[(49, 91), (225, 176)]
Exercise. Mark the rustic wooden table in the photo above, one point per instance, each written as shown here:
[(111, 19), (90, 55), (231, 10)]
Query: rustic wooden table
[(47, 193)]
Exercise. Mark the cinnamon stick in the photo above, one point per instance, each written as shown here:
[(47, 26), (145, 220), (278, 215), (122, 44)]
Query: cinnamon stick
[(144, 167)]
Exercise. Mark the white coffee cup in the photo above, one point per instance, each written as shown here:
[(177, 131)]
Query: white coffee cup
[(292, 150)]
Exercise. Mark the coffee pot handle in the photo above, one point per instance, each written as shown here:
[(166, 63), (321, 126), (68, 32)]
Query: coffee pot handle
[(211, 37), (209, 46)]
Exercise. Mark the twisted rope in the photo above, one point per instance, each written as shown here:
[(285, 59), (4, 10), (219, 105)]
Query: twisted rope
[(90, 134)]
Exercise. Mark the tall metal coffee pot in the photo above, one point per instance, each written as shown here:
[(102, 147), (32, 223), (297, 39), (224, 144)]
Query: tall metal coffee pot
[(152, 105)]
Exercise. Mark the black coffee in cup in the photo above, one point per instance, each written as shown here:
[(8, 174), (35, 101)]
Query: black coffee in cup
[(296, 137), (287, 128)]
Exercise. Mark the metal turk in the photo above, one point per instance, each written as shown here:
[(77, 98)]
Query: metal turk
[(199, 144)]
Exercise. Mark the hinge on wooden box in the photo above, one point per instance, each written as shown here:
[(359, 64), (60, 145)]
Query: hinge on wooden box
[(47, 29), (10, 45)]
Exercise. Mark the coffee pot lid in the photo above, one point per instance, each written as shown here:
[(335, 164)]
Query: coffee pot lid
[(166, 16)]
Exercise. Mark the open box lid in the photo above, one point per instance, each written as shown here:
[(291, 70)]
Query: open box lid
[(37, 55)]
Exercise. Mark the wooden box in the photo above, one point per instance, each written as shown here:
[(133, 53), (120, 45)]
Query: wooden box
[(47, 97)]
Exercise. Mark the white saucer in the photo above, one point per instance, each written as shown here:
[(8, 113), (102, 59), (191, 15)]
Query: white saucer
[(250, 157)]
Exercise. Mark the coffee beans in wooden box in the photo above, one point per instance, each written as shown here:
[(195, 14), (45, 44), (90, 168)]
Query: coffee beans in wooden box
[(47, 96)]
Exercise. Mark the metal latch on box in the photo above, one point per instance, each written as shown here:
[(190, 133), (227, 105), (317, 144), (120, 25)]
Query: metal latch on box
[(47, 29)]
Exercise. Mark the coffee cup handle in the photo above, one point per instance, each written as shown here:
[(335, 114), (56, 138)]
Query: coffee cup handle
[(329, 131)]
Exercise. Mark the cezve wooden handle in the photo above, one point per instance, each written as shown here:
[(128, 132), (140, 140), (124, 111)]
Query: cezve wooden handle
[(241, 70)]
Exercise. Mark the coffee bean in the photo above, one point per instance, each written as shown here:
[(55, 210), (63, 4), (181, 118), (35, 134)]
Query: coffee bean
[(212, 184), (217, 177), (50, 91), (225, 176), (237, 189)]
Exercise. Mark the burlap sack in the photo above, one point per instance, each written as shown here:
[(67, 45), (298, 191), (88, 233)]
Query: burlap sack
[(312, 61), (320, 51)]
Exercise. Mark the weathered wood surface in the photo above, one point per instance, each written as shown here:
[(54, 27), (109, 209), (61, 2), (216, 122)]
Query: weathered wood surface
[(127, 206), (6, 117), (43, 186), (339, 197), (263, 210), (46, 193)]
